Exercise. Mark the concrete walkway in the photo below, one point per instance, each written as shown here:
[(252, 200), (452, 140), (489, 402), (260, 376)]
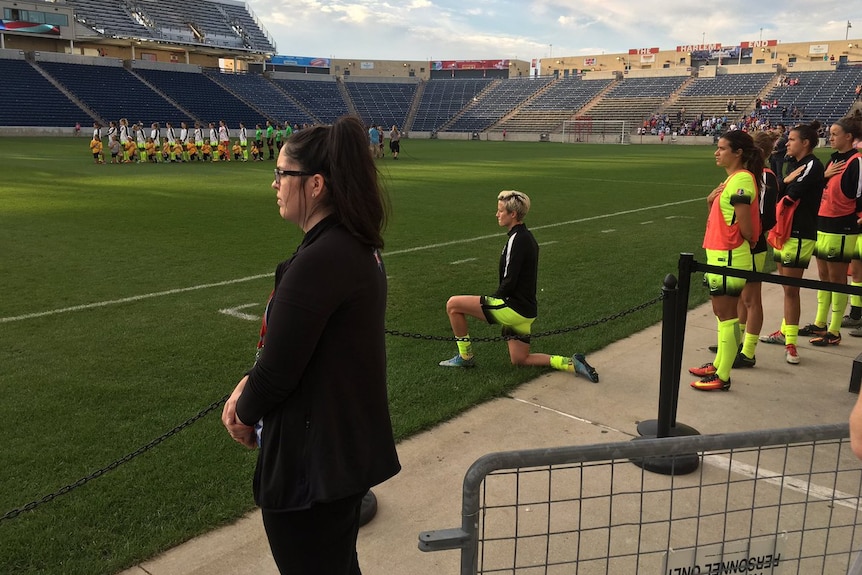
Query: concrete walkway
[(554, 410)]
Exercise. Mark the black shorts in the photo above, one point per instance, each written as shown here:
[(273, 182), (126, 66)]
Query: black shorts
[(394, 146)]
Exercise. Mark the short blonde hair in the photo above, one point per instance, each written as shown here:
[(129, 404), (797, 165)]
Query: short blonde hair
[(515, 202)]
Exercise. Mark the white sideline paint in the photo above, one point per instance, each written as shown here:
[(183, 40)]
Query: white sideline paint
[(135, 298), (739, 468), (456, 262), (608, 231), (548, 243), (234, 312)]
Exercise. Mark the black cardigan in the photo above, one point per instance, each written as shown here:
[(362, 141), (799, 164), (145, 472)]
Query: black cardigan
[(319, 386)]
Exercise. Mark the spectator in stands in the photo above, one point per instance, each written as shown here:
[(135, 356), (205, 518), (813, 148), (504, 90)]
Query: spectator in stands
[(513, 306), (858, 91), (732, 228), (270, 139), (837, 228), (322, 426), (803, 186), (395, 142), (78, 129)]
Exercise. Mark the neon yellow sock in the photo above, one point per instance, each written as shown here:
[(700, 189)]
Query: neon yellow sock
[(738, 333), (465, 347), (749, 344), (791, 334), (839, 302), (562, 363), (726, 348), (856, 300), (824, 302), (783, 325)]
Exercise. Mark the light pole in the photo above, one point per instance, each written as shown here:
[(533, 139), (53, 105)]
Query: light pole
[(847, 30)]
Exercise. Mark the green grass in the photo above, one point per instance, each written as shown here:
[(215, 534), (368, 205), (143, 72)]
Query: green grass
[(83, 388)]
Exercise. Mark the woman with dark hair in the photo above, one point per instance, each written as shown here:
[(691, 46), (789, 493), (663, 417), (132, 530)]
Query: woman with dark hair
[(804, 187), (732, 228), (315, 401), (837, 228)]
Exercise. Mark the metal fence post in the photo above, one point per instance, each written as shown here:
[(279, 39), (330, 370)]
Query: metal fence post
[(672, 339)]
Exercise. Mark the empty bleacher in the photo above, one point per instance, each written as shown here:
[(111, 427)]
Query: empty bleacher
[(381, 103), (31, 100), (201, 96), (633, 99), (442, 99), (498, 100), (113, 93), (201, 22), (709, 96), (320, 97), (275, 104), (558, 103)]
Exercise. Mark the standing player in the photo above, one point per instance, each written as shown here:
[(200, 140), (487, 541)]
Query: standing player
[(513, 305), (395, 142), (732, 228)]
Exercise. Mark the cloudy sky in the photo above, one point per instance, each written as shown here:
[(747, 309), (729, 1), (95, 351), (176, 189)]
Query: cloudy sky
[(494, 29)]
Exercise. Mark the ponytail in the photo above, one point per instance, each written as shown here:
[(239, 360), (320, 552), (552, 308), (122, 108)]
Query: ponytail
[(808, 133)]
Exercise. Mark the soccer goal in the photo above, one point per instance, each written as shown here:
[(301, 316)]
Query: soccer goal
[(587, 130)]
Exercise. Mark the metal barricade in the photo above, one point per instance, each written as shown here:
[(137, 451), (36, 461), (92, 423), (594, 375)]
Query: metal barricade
[(762, 502)]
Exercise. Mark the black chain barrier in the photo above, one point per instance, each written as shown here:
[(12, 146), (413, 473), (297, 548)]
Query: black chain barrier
[(215, 405), (110, 467), (592, 323)]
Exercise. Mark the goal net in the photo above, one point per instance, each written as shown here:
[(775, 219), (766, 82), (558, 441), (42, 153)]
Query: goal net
[(587, 130)]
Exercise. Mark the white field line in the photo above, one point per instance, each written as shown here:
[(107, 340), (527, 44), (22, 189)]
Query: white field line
[(234, 312), (456, 262), (135, 298), (739, 468)]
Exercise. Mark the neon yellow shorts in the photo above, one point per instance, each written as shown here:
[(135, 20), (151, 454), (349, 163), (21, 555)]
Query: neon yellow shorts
[(740, 259), (796, 253), (835, 247), (498, 312)]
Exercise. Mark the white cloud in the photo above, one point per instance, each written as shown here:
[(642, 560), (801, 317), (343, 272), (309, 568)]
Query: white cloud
[(450, 29)]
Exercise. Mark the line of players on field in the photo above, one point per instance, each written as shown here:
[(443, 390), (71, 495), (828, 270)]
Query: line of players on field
[(131, 143)]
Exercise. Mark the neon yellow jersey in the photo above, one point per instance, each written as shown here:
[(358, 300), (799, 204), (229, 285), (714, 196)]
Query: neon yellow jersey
[(739, 184)]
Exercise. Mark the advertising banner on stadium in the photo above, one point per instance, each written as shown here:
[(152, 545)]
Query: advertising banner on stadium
[(759, 44), (469, 64), (635, 51), (589, 62), (29, 27), (306, 62), (821, 49)]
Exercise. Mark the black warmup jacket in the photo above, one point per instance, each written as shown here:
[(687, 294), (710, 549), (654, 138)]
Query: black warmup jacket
[(808, 188), (319, 385), (519, 270)]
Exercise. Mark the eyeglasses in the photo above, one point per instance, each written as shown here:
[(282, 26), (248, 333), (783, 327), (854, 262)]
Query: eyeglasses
[(281, 173)]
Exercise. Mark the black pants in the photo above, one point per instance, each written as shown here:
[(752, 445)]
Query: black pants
[(316, 541)]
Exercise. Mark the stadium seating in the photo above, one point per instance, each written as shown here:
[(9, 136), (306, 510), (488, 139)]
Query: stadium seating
[(320, 97), (275, 104), (113, 93), (442, 99), (202, 97), (199, 22), (825, 96), (549, 109), (709, 96), (502, 97), (381, 103), (31, 100), (633, 99)]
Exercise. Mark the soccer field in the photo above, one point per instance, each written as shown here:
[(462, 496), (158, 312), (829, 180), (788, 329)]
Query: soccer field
[(115, 280)]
